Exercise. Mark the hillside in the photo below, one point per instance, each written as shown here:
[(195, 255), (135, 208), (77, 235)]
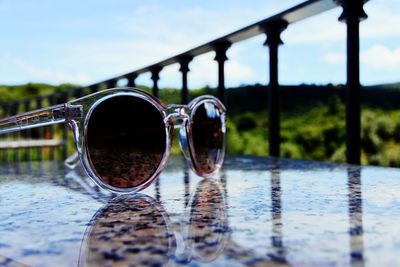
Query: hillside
[(312, 119)]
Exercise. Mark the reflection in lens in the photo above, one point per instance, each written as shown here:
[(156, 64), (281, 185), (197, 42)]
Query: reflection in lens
[(129, 231), (208, 137), (125, 140), (208, 230)]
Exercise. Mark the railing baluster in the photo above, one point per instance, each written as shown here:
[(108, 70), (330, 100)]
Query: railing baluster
[(6, 113), (273, 31), (64, 99), (94, 88), (78, 92), (220, 56), (352, 14), (184, 68), (111, 83), (39, 104), (14, 111), (28, 132), (86, 90), (52, 129), (131, 79), (155, 76)]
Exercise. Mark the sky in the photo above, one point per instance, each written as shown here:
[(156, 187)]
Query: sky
[(84, 42)]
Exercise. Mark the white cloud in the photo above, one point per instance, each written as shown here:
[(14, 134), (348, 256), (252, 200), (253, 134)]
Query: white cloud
[(382, 22), (377, 56), (152, 39), (334, 58), (237, 72), (146, 9), (380, 57), (322, 28), (189, 26), (138, 36), (205, 71), (300, 70), (49, 75)]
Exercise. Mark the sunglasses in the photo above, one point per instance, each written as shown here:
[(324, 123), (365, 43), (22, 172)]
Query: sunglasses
[(123, 135)]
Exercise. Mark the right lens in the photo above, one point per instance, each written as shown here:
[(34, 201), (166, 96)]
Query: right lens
[(208, 135), (126, 140)]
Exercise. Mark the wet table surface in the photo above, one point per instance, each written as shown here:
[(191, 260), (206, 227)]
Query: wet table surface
[(256, 212)]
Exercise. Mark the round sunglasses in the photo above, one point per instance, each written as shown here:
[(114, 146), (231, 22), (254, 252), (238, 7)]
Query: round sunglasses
[(123, 135)]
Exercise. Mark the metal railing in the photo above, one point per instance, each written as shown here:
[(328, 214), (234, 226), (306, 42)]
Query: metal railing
[(272, 27)]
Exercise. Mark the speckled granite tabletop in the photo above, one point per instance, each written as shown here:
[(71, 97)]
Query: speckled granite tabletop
[(257, 212)]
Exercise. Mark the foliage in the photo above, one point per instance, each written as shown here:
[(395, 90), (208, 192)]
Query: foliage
[(312, 120), (30, 90)]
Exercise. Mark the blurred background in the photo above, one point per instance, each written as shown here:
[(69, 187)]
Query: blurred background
[(54, 46)]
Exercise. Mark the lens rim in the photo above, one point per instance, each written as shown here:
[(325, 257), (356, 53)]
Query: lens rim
[(84, 154), (193, 106)]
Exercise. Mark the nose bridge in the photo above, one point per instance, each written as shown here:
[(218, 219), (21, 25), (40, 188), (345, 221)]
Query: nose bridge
[(177, 114)]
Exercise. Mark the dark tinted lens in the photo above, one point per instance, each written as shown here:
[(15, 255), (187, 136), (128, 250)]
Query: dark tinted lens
[(125, 140), (208, 138)]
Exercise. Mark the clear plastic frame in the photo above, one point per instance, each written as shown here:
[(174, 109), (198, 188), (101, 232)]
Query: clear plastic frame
[(77, 114)]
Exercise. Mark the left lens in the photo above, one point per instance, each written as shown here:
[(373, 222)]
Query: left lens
[(208, 136), (126, 140)]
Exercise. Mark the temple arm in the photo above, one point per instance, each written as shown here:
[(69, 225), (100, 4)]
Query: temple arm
[(41, 117)]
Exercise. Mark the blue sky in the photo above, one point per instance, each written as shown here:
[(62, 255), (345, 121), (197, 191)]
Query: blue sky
[(88, 41)]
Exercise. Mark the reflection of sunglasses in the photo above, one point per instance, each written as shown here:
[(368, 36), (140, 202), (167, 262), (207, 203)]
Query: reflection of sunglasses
[(136, 230), (123, 135)]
